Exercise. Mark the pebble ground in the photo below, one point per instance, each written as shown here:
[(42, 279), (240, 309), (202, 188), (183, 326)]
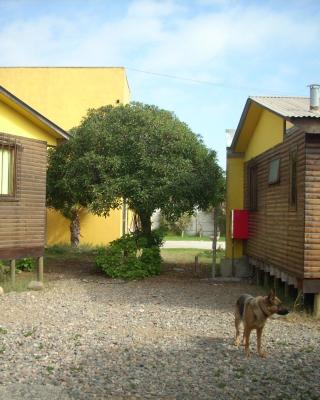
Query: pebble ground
[(162, 338)]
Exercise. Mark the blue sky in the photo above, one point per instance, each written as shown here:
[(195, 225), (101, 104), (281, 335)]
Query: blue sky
[(223, 50)]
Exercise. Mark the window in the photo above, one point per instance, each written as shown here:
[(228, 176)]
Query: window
[(7, 168), (274, 171), (253, 188), (293, 179)]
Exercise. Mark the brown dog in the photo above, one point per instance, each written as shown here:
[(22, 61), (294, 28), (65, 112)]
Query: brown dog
[(254, 312)]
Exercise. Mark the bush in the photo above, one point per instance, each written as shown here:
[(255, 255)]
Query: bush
[(131, 257), (25, 264)]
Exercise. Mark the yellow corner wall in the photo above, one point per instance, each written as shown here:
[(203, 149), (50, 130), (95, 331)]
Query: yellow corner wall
[(267, 132), (64, 95), (12, 122), (94, 230)]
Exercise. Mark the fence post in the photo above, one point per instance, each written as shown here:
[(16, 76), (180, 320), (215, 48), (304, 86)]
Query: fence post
[(214, 244), (196, 263)]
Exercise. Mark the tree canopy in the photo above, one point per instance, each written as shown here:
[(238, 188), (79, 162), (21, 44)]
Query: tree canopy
[(144, 155)]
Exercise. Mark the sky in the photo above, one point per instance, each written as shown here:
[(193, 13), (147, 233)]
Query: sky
[(200, 59)]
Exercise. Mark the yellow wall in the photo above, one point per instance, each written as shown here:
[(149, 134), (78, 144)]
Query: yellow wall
[(235, 198), (94, 230), (267, 131), (12, 122), (63, 95)]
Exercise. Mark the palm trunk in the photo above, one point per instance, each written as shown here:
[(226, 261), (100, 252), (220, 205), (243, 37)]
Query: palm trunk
[(75, 229)]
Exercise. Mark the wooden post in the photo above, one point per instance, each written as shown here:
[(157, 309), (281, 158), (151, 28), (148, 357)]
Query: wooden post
[(196, 263), (1, 272), (13, 271), (316, 305), (214, 244), (286, 290), (257, 276), (40, 269), (266, 280), (276, 285)]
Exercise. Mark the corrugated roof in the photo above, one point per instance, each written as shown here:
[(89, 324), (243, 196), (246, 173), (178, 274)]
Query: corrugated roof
[(296, 107)]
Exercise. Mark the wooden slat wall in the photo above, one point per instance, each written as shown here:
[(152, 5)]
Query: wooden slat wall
[(312, 209), (22, 221), (276, 232)]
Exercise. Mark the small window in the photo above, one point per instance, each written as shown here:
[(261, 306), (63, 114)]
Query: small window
[(274, 171), (253, 188), (7, 171), (293, 179)]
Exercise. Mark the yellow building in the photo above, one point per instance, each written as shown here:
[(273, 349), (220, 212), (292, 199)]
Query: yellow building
[(64, 95)]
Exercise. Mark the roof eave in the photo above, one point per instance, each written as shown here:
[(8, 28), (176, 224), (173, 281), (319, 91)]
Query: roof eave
[(49, 124), (240, 124), (244, 116)]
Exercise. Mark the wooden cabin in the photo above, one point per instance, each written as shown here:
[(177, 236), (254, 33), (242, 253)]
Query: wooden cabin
[(24, 137), (273, 171)]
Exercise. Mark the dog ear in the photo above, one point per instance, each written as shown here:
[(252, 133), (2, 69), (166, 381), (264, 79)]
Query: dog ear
[(272, 294)]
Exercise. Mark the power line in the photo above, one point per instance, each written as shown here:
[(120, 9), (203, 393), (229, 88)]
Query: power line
[(176, 77), (204, 82)]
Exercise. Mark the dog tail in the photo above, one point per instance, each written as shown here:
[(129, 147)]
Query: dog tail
[(242, 301)]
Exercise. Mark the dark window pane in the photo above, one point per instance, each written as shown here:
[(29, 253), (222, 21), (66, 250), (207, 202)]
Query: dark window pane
[(274, 171)]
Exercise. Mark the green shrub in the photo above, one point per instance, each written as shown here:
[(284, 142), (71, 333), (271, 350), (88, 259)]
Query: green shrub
[(131, 257), (25, 264)]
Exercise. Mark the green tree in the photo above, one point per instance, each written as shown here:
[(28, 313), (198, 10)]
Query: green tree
[(178, 226), (146, 156), (66, 190)]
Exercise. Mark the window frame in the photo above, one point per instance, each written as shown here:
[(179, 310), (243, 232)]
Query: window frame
[(12, 145), (273, 180)]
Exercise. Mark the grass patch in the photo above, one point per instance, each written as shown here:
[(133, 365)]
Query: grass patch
[(186, 256), (50, 369), (193, 238), (66, 251), (22, 281)]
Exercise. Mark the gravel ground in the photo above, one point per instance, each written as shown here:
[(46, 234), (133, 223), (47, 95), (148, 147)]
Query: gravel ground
[(162, 338)]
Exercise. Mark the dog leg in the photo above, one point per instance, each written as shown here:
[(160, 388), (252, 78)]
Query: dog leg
[(243, 339), (246, 334), (237, 321), (260, 352)]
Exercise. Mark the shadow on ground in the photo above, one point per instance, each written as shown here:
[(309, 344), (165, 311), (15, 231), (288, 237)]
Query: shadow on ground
[(199, 368)]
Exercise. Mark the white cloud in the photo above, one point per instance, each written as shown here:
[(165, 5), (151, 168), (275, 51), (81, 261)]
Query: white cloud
[(158, 36)]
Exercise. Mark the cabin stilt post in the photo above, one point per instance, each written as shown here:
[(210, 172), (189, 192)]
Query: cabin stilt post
[(266, 282), (286, 290), (13, 271), (316, 305), (40, 269)]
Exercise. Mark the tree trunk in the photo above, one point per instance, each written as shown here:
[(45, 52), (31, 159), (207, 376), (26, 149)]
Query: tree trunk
[(75, 229), (146, 226)]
